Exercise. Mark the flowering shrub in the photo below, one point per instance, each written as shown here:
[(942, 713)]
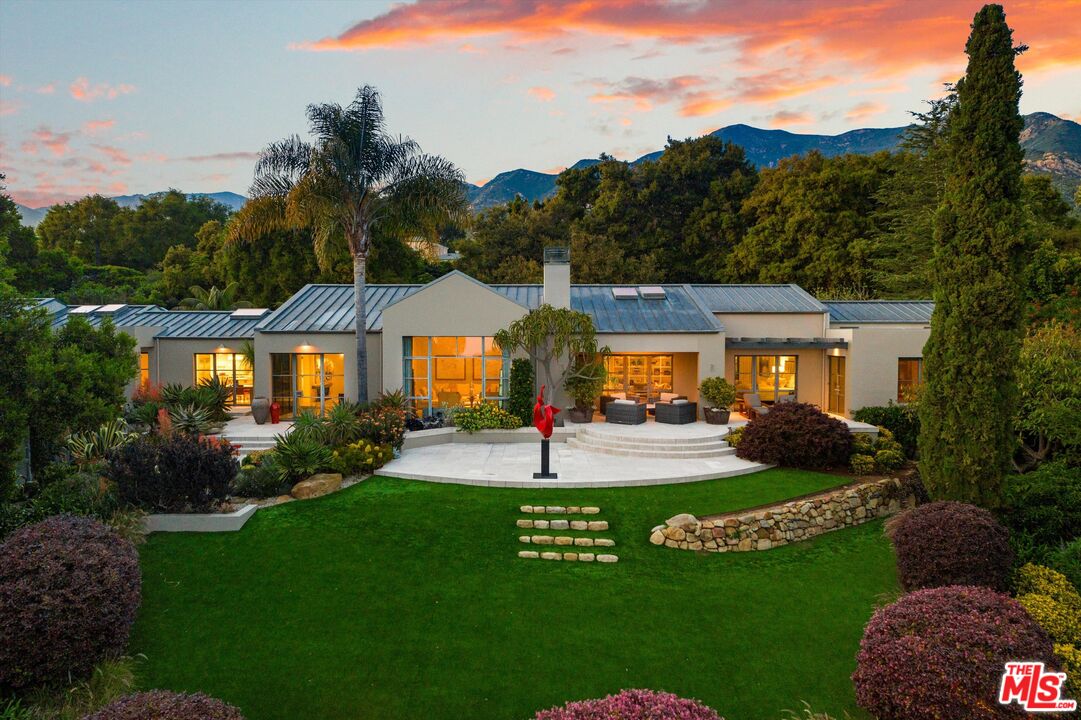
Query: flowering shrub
[(632, 705), (1071, 665), (939, 653), (950, 543), (485, 416), (734, 436), (1052, 601), (796, 435), (165, 705), (69, 589), (383, 425), (175, 473), (361, 457)]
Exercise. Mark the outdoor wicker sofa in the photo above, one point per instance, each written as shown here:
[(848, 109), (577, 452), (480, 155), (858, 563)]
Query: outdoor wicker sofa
[(676, 412), (623, 412)]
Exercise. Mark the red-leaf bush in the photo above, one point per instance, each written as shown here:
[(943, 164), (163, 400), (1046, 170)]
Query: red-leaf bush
[(173, 474), (796, 435), (632, 705), (165, 705), (69, 590), (950, 543), (939, 653)]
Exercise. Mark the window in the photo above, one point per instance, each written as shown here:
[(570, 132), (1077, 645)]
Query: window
[(909, 377), (231, 369), (642, 377), (771, 376), (313, 382), (452, 371), (144, 369)]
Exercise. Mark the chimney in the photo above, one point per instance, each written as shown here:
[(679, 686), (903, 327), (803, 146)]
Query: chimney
[(557, 277)]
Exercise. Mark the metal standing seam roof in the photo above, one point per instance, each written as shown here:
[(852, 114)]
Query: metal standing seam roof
[(757, 299), (329, 308), (195, 324), (678, 312), (880, 311), (127, 315)]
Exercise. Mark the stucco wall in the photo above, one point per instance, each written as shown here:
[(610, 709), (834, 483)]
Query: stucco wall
[(773, 324), (175, 358), (871, 367)]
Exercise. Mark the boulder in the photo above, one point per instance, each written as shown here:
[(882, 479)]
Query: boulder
[(316, 485), (683, 520)]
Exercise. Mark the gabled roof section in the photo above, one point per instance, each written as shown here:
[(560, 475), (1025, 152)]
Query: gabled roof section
[(880, 311), (448, 276), (329, 308), (757, 299), (194, 324), (678, 312)]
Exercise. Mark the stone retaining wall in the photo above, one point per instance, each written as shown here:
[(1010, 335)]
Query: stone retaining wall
[(786, 522)]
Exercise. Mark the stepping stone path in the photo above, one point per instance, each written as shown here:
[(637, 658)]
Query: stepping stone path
[(577, 544)]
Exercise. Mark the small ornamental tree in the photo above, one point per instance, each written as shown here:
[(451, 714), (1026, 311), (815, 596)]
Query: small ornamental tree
[(967, 436), (549, 335), (939, 653), (69, 590), (950, 543), (796, 435), (632, 705), (165, 705)]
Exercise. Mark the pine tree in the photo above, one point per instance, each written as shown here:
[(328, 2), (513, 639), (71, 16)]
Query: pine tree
[(969, 401)]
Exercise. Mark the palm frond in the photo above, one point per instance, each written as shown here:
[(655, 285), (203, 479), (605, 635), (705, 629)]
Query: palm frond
[(279, 167), (258, 217)]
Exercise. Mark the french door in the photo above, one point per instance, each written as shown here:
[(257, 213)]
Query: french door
[(836, 401)]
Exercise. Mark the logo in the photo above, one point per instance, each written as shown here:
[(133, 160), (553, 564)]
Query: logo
[(1033, 688)]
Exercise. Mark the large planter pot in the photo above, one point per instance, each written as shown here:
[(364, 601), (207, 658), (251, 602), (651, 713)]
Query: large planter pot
[(580, 415), (260, 410), (717, 416)]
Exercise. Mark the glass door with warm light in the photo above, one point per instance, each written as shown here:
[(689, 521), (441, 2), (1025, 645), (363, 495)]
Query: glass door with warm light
[(231, 370), (836, 401), (319, 381)]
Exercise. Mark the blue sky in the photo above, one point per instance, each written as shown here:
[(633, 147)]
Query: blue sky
[(123, 97)]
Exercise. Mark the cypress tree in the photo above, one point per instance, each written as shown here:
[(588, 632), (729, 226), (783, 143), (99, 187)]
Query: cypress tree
[(970, 395)]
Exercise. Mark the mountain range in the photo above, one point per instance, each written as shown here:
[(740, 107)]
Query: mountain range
[(1052, 145)]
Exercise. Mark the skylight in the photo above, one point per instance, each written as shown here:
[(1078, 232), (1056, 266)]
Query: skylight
[(110, 308), (249, 312), (624, 293), (84, 309), (652, 292)]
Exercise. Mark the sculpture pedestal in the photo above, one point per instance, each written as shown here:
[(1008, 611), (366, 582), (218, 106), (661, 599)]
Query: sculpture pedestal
[(545, 473)]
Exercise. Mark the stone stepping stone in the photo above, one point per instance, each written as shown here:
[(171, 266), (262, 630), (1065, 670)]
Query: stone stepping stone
[(593, 526), (559, 510)]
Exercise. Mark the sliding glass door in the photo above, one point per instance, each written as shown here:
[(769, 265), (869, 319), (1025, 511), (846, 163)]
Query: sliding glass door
[(313, 382), (770, 376), (231, 369)]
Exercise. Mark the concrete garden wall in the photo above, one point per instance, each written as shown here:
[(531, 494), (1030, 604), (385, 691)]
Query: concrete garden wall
[(787, 522)]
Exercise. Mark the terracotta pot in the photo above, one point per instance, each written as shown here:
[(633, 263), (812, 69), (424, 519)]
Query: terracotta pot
[(717, 416), (580, 415), (260, 410)]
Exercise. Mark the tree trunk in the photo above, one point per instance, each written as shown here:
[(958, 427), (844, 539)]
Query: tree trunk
[(360, 263)]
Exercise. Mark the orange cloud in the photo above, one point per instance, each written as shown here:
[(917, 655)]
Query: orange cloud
[(787, 118), (543, 94), (885, 37), (117, 155), (81, 89), (864, 110), (93, 127), (54, 142), (643, 93)]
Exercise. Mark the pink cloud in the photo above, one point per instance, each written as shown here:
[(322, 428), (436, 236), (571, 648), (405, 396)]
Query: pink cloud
[(9, 107), (93, 127), (48, 89), (55, 142), (82, 89), (115, 154), (543, 94), (865, 110), (223, 157), (788, 118), (5, 80)]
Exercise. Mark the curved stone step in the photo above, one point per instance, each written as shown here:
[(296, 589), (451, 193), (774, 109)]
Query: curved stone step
[(652, 451), (610, 433), (642, 443)]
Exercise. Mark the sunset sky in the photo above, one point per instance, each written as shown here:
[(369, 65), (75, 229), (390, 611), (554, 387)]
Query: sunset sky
[(126, 97)]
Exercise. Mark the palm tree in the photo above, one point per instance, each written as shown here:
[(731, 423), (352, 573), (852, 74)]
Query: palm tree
[(214, 298), (353, 179)]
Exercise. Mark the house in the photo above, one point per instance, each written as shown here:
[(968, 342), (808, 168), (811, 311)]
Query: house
[(435, 341)]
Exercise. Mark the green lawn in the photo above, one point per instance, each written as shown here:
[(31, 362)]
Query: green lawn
[(405, 600)]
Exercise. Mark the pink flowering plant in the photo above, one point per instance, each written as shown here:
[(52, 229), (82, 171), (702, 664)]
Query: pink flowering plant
[(632, 705)]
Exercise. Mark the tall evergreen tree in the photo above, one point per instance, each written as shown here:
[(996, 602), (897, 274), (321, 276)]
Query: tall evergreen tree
[(970, 397)]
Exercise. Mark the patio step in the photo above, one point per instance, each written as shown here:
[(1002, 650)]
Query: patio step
[(643, 434), (651, 449)]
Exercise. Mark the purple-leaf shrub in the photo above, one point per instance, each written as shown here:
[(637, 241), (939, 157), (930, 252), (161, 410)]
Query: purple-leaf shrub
[(950, 543), (796, 435), (165, 705), (632, 705), (69, 590), (939, 653)]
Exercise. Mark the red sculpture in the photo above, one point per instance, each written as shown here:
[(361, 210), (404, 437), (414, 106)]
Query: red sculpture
[(544, 416)]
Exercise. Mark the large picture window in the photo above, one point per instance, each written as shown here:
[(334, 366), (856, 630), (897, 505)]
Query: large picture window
[(770, 376), (313, 382), (144, 369), (640, 376), (231, 369), (909, 378), (453, 371)]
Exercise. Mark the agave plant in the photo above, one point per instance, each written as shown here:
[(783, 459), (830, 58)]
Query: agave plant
[(300, 456), (396, 399), (92, 445), (215, 396), (341, 426), (309, 425), (191, 419)]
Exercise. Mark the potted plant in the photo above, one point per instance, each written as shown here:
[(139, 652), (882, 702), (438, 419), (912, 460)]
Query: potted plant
[(584, 384), (719, 395)]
